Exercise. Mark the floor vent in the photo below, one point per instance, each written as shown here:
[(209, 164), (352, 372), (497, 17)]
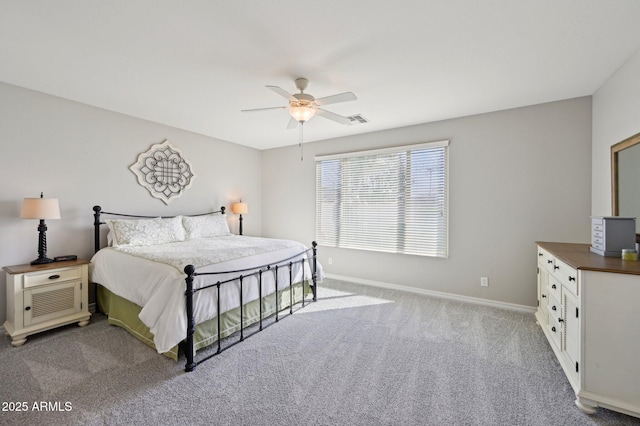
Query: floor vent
[(357, 119)]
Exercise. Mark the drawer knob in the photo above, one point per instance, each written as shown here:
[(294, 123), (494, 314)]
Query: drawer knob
[(560, 320), (572, 278), (54, 277), (553, 308), (544, 295), (556, 267), (27, 308), (540, 254), (549, 261), (553, 329), (553, 286)]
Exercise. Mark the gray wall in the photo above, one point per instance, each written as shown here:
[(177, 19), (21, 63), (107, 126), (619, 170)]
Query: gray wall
[(616, 116), (81, 155), (516, 176)]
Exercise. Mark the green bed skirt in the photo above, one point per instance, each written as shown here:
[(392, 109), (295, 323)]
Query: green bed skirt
[(124, 313)]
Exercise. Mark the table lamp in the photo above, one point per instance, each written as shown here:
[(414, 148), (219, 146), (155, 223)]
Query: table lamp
[(240, 208), (41, 208)]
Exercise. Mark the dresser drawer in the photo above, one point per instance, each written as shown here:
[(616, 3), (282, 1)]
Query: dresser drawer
[(567, 275), (554, 308), (50, 277), (555, 331), (554, 287), (545, 259)]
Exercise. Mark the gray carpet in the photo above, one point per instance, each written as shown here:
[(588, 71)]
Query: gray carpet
[(359, 356)]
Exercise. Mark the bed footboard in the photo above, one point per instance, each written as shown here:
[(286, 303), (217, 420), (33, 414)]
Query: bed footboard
[(190, 270)]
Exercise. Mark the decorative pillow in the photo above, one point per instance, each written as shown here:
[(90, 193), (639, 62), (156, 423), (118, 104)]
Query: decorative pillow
[(174, 229), (210, 225), (146, 232)]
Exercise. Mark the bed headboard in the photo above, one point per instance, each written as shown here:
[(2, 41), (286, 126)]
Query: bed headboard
[(97, 221)]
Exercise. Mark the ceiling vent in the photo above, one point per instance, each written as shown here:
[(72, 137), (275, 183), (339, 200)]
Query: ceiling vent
[(357, 119)]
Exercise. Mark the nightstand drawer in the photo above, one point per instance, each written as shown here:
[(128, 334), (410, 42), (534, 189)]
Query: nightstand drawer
[(51, 277)]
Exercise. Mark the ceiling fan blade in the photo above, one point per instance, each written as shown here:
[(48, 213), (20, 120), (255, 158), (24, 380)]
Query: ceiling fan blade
[(280, 91), (262, 109), (334, 99), (292, 124), (333, 116)]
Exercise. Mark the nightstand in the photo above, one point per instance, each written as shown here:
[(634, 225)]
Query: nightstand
[(42, 297)]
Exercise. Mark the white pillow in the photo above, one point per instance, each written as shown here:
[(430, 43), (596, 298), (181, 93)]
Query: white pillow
[(206, 226), (146, 232)]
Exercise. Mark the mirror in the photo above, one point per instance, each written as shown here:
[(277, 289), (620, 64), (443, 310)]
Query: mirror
[(625, 179)]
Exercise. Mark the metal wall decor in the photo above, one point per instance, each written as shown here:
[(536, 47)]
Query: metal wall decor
[(164, 171)]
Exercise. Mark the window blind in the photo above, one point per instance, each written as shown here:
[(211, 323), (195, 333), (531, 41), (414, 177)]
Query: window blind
[(392, 200)]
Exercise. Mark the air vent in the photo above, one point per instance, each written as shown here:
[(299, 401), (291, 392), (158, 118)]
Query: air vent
[(357, 119)]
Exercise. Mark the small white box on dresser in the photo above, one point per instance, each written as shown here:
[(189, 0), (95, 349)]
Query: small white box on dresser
[(611, 234)]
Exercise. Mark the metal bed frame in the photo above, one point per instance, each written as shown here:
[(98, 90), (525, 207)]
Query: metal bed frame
[(258, 271)]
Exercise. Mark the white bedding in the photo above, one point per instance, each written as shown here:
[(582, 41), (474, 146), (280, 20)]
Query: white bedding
[(153, 278)]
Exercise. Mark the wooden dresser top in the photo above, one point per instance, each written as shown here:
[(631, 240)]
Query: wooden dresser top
[(580, 257), (26, 268)]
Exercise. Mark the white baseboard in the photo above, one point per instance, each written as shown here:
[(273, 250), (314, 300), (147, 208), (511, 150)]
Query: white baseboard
[(450, 296)]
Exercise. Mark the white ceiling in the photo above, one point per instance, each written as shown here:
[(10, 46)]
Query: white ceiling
[(195, 64)]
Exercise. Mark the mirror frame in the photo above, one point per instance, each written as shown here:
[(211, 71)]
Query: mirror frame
[(615, 150)]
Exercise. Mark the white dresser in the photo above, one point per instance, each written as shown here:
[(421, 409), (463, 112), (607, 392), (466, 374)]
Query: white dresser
[(589, 310)]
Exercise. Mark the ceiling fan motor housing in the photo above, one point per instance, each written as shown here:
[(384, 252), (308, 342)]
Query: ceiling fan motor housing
[(302, 83)]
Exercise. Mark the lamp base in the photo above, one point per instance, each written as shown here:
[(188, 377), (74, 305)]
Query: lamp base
[(42, 261), (42, 245)]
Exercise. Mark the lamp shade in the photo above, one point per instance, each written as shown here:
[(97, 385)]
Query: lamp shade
[(240, 208), (40, 208), (302, 113)]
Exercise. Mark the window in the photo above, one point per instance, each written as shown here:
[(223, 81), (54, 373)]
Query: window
[(391, 200)]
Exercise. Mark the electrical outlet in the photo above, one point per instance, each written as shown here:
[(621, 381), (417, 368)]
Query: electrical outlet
[(484, 281), (330, 261)]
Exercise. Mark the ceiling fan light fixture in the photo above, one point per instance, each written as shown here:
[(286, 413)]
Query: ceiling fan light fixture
[(301, 113)]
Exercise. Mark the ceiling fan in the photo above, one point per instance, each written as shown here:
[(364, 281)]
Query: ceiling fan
[(302, 106)]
